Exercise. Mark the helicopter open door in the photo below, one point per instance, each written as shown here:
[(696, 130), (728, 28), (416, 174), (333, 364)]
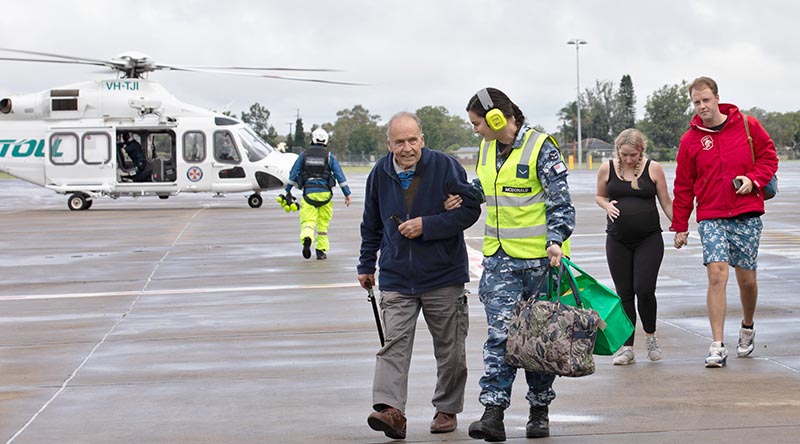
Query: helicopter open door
[(79, 160)]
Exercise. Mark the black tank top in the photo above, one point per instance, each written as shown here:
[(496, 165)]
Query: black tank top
[(638, 215)]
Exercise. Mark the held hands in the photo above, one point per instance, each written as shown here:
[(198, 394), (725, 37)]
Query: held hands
[(681, 239), (452, 202), (612, 210)]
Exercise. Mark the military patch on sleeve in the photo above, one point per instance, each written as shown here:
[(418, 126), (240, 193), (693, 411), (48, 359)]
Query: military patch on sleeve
[(559, 168), (554, 155), (523, 171)]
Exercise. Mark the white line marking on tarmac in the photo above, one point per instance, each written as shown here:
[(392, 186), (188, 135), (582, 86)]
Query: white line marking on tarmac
[(103, 294), (103, 339)]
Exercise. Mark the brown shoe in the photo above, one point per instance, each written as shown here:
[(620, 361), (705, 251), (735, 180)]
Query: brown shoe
[(443, 422), (390, 421)]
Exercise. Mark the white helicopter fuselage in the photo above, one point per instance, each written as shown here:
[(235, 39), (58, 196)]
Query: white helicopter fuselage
[(66, 139)]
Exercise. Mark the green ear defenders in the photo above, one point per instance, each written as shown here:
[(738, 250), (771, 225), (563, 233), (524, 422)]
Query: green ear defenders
[(494, 117)]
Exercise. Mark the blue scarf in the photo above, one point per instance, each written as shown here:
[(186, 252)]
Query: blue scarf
[(405, 178)]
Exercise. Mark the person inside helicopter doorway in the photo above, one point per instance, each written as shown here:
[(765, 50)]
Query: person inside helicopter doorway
[(133, 149), (316, 171)]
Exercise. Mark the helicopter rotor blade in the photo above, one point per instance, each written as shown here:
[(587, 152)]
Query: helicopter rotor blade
[(134, 64), (249, 68), (81, 60), (269, 76), (71, 62)]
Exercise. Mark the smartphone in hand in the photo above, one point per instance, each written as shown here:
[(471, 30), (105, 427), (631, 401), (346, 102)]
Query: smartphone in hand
[(737, 183)]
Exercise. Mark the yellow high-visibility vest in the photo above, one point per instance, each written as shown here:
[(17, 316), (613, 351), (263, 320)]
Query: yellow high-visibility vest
[(515, 210)]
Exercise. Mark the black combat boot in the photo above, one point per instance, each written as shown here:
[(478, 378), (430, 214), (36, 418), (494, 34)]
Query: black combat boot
[(538, 422), (321, 256), (490, 427)]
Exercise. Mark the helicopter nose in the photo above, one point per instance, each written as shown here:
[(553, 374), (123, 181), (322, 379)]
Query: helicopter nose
[(277, 167), (284, 161)]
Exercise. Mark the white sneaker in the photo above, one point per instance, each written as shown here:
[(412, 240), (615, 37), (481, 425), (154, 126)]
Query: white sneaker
[(653, 349), (747, 342), (717, 355), (624, 356)]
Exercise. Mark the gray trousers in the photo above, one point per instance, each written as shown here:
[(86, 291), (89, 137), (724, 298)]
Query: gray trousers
[(447, 316)]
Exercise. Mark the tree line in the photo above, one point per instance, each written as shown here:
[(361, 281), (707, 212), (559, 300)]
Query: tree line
[(606, 110)]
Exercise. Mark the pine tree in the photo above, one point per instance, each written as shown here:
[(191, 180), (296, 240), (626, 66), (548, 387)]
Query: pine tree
[(627, 104), (299, 135)]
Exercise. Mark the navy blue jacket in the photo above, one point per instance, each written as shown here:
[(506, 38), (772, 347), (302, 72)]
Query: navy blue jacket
[(434, 260)]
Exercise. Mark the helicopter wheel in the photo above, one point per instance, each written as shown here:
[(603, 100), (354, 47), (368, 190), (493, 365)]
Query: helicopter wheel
[(255, 200), (78, 201)]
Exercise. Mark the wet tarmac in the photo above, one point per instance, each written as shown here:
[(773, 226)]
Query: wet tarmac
[(196, 320)]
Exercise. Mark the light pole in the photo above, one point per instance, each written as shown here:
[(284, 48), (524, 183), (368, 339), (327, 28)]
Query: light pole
[(578, 43)]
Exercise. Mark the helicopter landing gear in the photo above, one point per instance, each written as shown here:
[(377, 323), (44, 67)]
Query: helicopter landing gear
[(79, 201), (255, 200)]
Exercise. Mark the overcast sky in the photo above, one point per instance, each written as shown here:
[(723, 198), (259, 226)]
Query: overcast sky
[(418, 52)]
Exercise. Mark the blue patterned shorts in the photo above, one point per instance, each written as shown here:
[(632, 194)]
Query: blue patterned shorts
[(734, 241)]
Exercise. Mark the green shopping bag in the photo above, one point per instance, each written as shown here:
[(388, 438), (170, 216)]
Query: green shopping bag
[(605, 302)]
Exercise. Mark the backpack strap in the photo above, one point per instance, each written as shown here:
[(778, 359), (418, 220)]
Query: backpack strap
[(749, 138)]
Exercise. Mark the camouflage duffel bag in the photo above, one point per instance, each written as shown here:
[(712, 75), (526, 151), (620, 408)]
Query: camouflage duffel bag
[(552, 337)]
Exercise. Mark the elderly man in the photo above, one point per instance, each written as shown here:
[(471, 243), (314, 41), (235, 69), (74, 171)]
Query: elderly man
[(423, 265)]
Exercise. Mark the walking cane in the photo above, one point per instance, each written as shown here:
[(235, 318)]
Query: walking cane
[(371, 298)]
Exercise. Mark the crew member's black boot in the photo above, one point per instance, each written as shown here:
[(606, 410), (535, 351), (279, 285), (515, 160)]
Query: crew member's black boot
[(321, 256), (490, 427), (306, 247), (538, 422)]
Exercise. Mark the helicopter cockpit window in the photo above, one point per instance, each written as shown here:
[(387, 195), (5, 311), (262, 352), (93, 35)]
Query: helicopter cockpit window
[(96, 148), (254, 146), (64, 149), (224, 149), (194, 146)]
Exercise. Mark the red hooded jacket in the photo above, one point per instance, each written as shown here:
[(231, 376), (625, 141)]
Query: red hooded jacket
[(709, 160)]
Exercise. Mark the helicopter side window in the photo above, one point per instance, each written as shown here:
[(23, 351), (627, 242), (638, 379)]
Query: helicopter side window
[(194, 146), (96, 148), (224, 149), (64, 149)]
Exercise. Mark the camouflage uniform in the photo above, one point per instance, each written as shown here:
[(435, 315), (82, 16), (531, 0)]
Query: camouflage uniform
[(506, 280)]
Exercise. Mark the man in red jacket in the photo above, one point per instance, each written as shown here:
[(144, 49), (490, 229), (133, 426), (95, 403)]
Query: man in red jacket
[(718, 170)]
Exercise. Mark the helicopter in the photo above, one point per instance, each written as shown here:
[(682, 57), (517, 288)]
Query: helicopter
[(77, 139)]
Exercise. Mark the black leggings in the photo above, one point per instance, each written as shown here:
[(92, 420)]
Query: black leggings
[(634, 269)]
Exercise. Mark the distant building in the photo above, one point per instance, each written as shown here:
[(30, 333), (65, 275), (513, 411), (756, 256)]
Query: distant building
[(599, 150), (466, 154)]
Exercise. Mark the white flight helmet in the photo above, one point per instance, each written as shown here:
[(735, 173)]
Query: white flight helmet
[(319, 137)]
